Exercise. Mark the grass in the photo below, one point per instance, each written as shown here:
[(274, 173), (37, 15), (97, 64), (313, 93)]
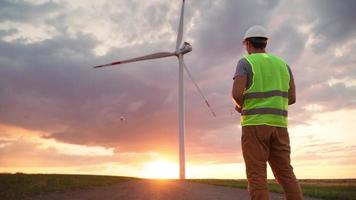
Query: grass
[(344, 189), (20, 186)]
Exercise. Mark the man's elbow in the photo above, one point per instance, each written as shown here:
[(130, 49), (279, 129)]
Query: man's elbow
[(238, 99), (291, 100)]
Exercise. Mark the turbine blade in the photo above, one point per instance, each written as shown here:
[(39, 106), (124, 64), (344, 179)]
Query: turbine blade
[(180, 28), (146, 57), (199, 90)]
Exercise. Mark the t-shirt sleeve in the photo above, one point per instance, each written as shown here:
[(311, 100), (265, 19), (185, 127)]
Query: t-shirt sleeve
[(242, 68), (290, 73)]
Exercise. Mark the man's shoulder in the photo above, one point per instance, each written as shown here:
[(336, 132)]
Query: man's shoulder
[(281, 60), (243, 63), (243, 68), (243, 60)]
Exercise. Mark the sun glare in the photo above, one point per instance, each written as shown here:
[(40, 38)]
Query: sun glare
[(160, 169)]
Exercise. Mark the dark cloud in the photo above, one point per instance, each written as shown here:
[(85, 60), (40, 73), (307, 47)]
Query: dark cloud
[(54, 86), (341, 96), (334, 22), (24, 11), (313, 72), (287, 41), (222, 25), (54, 89), (8, 32)]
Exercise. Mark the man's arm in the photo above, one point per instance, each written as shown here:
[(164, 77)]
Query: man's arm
[(291, 92), (238, 88)]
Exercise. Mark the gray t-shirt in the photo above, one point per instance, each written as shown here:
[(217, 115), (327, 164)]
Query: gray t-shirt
[(244, 68)]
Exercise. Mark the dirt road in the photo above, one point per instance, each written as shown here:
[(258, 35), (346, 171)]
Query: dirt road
[(155, 190)]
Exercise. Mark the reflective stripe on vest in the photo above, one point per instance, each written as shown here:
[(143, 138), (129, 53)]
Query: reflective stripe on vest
[(266, 100), (272, 111), (266, 94)]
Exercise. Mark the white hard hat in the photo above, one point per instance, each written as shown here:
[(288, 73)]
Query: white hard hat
[(256, 31)]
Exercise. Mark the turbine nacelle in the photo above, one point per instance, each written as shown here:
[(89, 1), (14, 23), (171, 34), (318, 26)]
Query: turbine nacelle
[(185, 49)]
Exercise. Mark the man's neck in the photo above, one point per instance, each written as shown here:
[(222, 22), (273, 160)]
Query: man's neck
[(258, 51)]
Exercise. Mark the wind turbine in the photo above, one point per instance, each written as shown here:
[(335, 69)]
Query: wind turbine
[(179, 52)]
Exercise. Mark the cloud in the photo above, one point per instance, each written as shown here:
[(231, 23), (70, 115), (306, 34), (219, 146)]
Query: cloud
[(319, 152), (58, 93), (4, 33), (287, 41), (50, 153), (334, 23), (222, 24), (25, 11)]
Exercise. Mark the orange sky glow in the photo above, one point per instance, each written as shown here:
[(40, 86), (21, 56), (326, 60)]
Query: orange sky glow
[(28, 152)]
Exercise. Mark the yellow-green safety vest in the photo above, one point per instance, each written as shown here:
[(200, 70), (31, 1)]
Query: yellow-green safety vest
[(266, 100)]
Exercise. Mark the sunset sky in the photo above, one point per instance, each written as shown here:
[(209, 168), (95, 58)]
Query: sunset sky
[(59, 115)]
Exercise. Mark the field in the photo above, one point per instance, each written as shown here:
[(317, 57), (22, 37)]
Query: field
[(20, 186), (344, 189)]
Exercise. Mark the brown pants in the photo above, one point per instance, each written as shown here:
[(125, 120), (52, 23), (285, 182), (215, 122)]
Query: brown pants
[(262, 144)]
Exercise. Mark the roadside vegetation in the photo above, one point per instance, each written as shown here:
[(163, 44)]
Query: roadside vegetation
[(344, 189)]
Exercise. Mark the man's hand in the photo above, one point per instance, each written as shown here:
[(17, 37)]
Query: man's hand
[(238, 109), (291, 93), (238, 91)]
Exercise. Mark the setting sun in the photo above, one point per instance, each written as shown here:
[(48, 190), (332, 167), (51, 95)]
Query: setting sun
[(160, 169)]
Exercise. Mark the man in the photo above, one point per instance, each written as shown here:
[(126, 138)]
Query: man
[(262, 90)]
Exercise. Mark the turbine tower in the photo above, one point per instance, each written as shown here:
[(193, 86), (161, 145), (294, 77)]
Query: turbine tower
[(179, 52)]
